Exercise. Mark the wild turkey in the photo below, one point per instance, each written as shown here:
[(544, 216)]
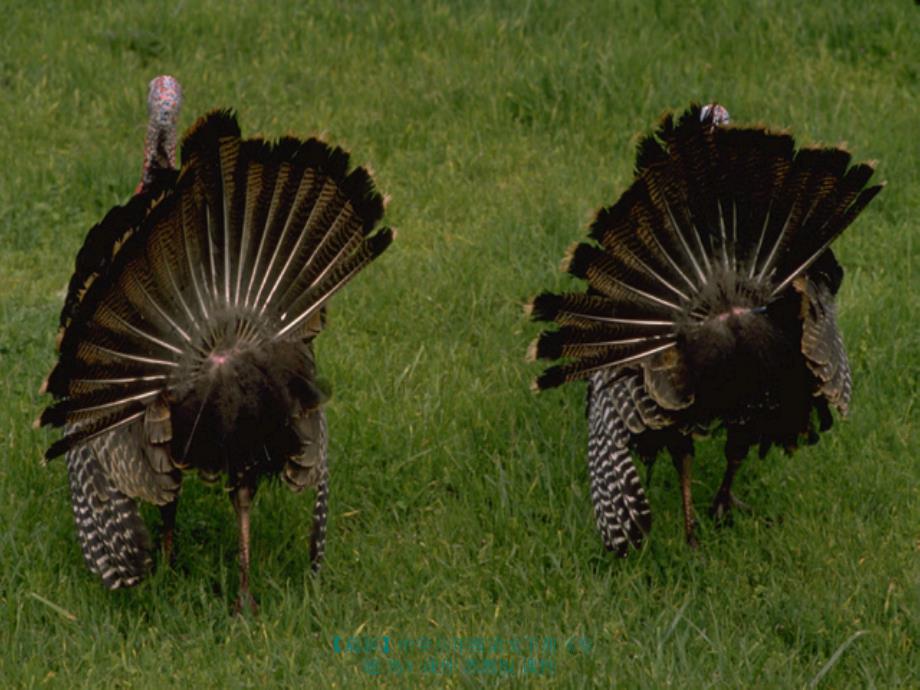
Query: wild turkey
[(710, 302), (186, 336)]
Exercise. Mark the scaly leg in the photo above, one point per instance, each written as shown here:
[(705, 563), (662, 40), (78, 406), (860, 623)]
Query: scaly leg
[(167, 543), (736, 449), (683, 465), (242, 502)]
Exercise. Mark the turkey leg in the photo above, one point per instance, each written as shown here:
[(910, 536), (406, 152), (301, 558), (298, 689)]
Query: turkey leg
[(242, 502), (736, 449), (168, 515), (683, 460)]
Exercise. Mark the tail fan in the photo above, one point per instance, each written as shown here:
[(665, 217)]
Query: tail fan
[(719, 217), (238, 251)]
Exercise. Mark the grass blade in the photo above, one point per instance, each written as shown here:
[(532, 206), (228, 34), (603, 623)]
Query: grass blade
[(835, 657)]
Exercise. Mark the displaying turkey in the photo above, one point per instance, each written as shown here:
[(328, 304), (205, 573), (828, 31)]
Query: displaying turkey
[(710, 302), (186, 335)]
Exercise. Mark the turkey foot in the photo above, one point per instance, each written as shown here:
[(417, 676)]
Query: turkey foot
[(724, 501), (722, 506), (245, 602)]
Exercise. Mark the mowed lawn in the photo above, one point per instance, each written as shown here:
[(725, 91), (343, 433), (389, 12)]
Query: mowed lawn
[(462, 548)]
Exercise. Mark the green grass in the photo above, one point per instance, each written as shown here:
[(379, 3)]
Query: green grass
[(460, 504)]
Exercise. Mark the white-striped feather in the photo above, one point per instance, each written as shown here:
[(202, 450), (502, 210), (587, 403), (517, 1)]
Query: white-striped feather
[(661, 279), (771, 257), (664, 252), (178, 293), (117, 403), (344, 214), (304, 233), (802, 267), (133, 357), (734, 244), (254, 172), (317, 304), (111, 427), (625, 360), (212, 249), (144, 334), (643, 293), (120, 380), (161, 311), (699, 240), (615, 319), (755, 255), (227, 184), (723, 234), (684, 244), (280, 182), (193, 269), (306, 181), (623, 341)]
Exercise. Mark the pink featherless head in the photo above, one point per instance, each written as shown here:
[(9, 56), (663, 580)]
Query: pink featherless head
[(714, 114), (164, 99)]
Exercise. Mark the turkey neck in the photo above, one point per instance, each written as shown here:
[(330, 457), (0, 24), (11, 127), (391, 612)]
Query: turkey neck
[(164, 101)]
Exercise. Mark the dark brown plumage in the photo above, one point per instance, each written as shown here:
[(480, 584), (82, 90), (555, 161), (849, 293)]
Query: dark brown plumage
[(186, 336), (710, 302)]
